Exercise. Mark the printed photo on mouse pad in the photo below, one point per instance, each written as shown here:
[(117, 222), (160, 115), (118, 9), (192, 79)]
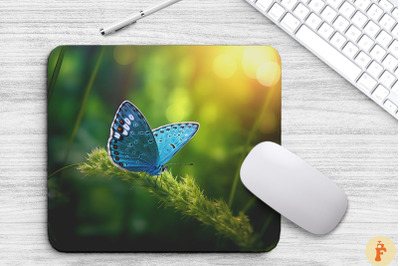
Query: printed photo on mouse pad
[(145, 145)]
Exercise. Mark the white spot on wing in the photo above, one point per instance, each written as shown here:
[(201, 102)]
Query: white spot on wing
[(127, 121), (126, 127), (117, 135), (125, 133), (131, 117)]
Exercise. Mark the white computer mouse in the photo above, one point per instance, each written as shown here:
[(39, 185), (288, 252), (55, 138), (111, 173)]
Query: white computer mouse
[(293, 188)]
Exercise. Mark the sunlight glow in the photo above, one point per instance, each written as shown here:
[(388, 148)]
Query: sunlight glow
[(268, 74), (255, 56), (224, 66)]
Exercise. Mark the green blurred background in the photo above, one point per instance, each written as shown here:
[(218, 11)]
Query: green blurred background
[(230, 90)]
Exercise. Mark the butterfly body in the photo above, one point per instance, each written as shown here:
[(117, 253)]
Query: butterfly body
[(133, 146)]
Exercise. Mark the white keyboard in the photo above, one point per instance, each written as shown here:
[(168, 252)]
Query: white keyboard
[(358, 39)]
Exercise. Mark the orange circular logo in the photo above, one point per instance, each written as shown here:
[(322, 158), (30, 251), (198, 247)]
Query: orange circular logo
[(380, 250)]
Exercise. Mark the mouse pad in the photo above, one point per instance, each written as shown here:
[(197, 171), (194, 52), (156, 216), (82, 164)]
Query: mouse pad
[(145, 144)]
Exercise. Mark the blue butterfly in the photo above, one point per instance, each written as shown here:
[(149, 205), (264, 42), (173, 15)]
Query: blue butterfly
[(135, 147)]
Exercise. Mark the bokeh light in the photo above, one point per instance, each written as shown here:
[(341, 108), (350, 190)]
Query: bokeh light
[(218, 153), (255, 56), (124, 55), (179, 105), (224, 66), (209, 113), (175, 113), (268, 74)]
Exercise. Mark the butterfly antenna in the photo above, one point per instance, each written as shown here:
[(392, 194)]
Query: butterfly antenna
[(168, 164)]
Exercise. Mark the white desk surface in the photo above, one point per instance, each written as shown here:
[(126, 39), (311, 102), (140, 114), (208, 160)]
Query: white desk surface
[(326, 121)]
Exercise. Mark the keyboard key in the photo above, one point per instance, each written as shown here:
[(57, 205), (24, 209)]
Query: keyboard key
[(390, 62), (313, 21), (390, 106), (374, 69), (264, 4), (276, 11), (395, 88), (371, 29), (324, 50), (386, 5), (289, 4), (316, 5), (380, 93), (353, 33), (328, 14), (394, 47), (335, 3), (366, 82), (387, 22), (347, 9), (378, 52), (362, 59), (350, 50), (338, 40), (384, 38), (395, 13), (365, 43), (341, 23), (359, 19), (362, 4), (375, 12), (301, 11), (290, 22), (325, 30), (387, 79), (395, 30)]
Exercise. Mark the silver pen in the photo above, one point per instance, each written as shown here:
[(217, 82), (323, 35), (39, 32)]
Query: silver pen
[(132, 19)]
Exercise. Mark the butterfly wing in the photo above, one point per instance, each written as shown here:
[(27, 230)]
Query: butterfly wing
[(131, 144), (171, 138)]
